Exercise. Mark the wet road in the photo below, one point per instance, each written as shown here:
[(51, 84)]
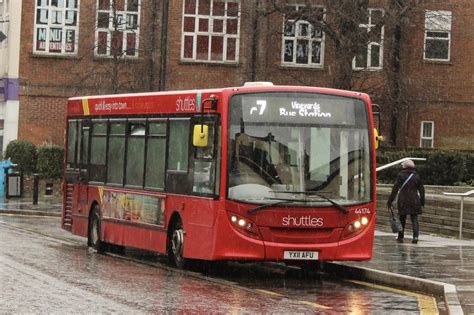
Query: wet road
[(44, 269)]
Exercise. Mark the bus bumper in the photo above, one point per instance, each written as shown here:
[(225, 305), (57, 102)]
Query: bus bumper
[(231, 244)]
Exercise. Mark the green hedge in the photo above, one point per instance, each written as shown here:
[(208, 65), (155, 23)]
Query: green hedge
[(47, 160), (442, 167), (50, 161), (23, 153)]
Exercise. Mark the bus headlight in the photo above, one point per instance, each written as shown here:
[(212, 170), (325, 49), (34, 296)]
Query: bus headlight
[(355, 227), (244, 225)]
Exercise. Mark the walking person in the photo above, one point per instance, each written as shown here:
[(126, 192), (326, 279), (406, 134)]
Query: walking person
[(410, 199)]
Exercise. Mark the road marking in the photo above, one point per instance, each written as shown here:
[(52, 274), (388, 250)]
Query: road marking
[(427, 304), (315, 305), (269, 292)]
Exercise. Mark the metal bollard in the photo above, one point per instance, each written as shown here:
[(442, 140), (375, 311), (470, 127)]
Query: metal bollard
[(35, 188)]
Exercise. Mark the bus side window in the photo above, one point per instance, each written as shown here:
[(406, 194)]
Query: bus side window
[(98, 148), (179, 145), (115, 152), (71, 144), (135, 153), (85, 147), (179, 142), (155, 154)]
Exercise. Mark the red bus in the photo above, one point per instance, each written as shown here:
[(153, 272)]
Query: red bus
[(252, 173)]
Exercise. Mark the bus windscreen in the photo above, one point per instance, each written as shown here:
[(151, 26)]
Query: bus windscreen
[(288, 145)]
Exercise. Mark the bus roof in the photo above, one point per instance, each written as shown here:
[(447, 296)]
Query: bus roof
[(247, 87)]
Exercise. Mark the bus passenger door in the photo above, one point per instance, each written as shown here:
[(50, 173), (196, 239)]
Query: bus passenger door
[(82, 187), (75, 199), (71, 174)]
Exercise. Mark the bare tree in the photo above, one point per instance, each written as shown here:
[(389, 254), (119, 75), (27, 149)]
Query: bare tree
[(343, 23), (114, 62)]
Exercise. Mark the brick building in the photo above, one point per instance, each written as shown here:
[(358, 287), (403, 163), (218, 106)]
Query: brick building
[(415, 62)]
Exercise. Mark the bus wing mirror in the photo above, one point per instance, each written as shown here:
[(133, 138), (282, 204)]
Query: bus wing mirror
[(377, 138), (200, 135)]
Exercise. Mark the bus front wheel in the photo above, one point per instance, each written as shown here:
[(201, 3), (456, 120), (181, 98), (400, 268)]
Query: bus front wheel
[(94, 231), (176, 245)]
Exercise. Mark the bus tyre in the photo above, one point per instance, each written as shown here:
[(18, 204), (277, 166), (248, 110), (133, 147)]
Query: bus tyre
[(176, 245), (94, 231)]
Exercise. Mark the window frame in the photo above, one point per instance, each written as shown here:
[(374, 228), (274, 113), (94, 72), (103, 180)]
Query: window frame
[(211, 18), (309, 38), (110, 29), (429, 138), (431, 15), (370, 43), (64, 28)]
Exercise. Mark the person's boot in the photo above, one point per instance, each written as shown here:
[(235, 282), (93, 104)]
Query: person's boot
[(400, 237), (415, 240)]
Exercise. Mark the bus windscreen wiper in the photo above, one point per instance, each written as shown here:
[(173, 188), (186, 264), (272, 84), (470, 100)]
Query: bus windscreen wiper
[(320, 195), (279, 202)]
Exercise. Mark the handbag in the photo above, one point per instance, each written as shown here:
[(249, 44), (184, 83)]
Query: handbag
[(395, 223)]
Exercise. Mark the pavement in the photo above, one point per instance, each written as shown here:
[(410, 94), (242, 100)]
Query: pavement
[(440, 266)]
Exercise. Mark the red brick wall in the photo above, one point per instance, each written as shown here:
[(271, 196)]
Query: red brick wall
[(440, 91), (42, 120)]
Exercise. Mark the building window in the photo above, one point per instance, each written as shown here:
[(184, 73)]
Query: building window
[(437, 35), (370, 56), (56, 27), (210, 31), (427, 134), (303, 44), (117, 31)]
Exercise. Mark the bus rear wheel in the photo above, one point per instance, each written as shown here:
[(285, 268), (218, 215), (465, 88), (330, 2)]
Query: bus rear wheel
[(176, 245), (94, 231)]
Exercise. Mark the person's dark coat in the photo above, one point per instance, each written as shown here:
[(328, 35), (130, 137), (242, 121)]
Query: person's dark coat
[(412, 197)]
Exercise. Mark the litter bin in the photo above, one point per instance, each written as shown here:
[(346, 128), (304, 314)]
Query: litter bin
[(14, 184), (5, 168)]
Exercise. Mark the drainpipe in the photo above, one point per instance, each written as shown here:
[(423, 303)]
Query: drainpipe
[(164, 45), (253, 71), (151, 69)]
